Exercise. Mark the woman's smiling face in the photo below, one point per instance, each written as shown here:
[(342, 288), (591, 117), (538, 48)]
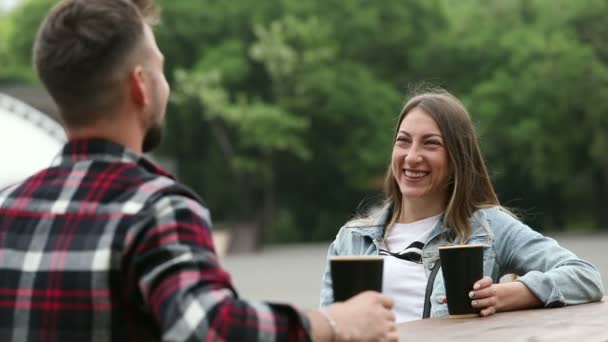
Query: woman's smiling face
[(420, 162)]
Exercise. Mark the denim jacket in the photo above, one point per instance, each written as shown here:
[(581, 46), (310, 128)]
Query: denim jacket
[(555, 275)]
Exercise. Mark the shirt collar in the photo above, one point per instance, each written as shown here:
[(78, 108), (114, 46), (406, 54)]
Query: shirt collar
[(375, 225), (104, 150)]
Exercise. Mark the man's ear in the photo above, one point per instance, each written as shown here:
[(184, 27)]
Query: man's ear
[(137, 87)]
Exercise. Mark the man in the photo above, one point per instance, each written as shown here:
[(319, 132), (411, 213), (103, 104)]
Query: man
[(104, 245)]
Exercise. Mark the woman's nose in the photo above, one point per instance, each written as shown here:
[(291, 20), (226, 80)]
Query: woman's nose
[(413, 155)]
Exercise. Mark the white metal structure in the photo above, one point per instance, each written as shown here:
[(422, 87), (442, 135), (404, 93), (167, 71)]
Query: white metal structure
[(29, 140), (8, 4)]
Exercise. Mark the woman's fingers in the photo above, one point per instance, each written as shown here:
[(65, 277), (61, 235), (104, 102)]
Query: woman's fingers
[(482, 283), (483, 293), (483, 303), (484, 296), (488, 311)]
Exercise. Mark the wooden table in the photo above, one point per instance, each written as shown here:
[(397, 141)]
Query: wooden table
[(580, 323)]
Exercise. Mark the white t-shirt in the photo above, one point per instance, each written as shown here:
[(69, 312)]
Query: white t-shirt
[(403, 278)]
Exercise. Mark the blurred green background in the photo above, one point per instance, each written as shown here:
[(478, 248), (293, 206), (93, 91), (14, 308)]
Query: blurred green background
[(282, 111)]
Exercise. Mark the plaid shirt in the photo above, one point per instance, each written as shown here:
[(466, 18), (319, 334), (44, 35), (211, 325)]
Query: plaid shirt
[(104, 245)]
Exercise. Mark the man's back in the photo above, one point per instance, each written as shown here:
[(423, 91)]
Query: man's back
[(65, 239), (106, 246)]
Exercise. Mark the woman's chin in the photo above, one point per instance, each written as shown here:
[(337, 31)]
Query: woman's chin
[(414, 194)]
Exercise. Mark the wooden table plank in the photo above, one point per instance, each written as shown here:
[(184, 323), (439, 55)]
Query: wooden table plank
[(580, 323)]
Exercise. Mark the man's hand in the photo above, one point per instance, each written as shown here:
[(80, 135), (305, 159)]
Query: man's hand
[(368, 316)]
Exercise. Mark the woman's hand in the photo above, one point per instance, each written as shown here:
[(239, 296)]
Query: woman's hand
[(484, 296), (491, 298)]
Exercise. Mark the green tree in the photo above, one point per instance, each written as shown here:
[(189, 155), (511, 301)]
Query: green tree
[(293, 56), (283, 110), (18, 29), (537, 95)]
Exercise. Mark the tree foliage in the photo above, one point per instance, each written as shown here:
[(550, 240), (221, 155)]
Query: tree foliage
[(282, 111), (17, 31)]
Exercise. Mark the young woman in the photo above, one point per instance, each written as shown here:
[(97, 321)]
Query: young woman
[(438, 192)]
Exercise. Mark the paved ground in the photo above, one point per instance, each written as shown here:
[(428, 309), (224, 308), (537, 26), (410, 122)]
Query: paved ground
[(292, 273)]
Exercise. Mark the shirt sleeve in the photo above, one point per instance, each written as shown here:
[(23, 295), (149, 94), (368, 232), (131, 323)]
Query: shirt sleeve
[(172, 266), (554, 274), (327, 293)]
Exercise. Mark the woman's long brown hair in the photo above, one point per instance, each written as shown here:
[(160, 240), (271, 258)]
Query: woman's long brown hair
[(470, 187)]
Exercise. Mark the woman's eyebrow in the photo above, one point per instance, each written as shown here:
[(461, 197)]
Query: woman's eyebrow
[(426, 135)]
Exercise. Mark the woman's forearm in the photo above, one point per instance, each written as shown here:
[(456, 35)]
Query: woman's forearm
[(515, 296)]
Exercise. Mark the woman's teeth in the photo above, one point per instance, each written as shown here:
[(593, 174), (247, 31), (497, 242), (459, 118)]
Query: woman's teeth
[(414, 174)]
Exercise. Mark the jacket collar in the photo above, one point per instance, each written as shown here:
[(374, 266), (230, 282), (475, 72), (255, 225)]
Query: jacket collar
[(375, 225), (372, 226)]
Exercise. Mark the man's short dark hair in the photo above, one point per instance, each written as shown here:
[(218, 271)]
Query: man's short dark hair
[(83, 48)]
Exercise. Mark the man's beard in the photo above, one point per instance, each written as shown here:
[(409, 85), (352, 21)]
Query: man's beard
[(153, 138)]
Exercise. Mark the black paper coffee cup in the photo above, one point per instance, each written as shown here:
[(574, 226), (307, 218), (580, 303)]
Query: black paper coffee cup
[(354, 274), (461, 266)]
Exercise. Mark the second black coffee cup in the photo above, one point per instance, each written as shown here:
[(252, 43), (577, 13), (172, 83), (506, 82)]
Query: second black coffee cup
[(354, 274)]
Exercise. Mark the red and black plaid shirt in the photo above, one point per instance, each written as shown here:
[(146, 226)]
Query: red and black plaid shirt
[(106, 246)]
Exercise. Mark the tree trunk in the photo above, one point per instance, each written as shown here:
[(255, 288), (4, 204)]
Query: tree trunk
[(600, 192), (245, 234), (266, 212), (256, 203), (243, 237), (256, 212)]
